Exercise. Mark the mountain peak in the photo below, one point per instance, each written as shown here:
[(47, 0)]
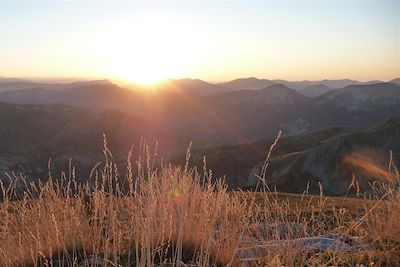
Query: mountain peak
[(251, 83), (395, 81), (93, 82)]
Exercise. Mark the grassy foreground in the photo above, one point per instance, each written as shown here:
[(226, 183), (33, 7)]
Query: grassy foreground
[(175, 216)]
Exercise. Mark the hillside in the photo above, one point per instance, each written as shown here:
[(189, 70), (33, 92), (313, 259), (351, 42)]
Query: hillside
[(315, 90), (349, 106), (33, 134), (329, 156)]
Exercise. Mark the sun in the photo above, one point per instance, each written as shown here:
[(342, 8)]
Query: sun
[(148, 49), (140, 71), (145, 60)]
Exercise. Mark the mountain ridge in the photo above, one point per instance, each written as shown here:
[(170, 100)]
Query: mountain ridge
[(300, 163)]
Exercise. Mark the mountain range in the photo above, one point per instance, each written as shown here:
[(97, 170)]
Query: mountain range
[(229, 116), (197, 86), (67, 120)]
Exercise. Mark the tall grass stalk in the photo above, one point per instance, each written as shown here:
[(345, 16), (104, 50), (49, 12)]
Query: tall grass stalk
[(175, 216)]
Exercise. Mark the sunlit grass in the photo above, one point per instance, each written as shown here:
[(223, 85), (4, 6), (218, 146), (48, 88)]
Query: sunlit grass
[(176, 216)]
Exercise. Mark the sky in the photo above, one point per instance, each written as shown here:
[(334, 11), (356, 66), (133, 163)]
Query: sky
[(209, 40)]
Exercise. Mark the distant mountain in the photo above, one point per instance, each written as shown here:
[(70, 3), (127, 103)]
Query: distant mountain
[(300, 85), (334, 84), (315, 90), (18, 85), (91, 94), (255, 83), (352, 105), (4, 80), (240, 116), (329, 156), (13, 84), (32, 134), (220, 117), (271, 95), (251, 83), (362, 97), (263, 112), (181, 86), (395, 81), (193, 86), (341, 83), (226, 117), (79, 84)]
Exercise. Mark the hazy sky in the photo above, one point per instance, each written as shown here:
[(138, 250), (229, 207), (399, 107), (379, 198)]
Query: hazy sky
[(215, 41)]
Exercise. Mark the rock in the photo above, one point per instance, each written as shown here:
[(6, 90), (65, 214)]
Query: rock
[(259, 241)]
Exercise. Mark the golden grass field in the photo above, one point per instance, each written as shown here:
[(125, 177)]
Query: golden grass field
[(175, 216)]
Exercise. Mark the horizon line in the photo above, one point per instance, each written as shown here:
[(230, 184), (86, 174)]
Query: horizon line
[(70, 79)]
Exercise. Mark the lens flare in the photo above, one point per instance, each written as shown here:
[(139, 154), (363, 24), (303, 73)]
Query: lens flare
[(176, 192), (370, 164)]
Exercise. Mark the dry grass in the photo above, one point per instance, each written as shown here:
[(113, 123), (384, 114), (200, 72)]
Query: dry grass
[(175, 216)]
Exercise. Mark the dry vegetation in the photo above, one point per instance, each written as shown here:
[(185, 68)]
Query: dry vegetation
[(175, 216)]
